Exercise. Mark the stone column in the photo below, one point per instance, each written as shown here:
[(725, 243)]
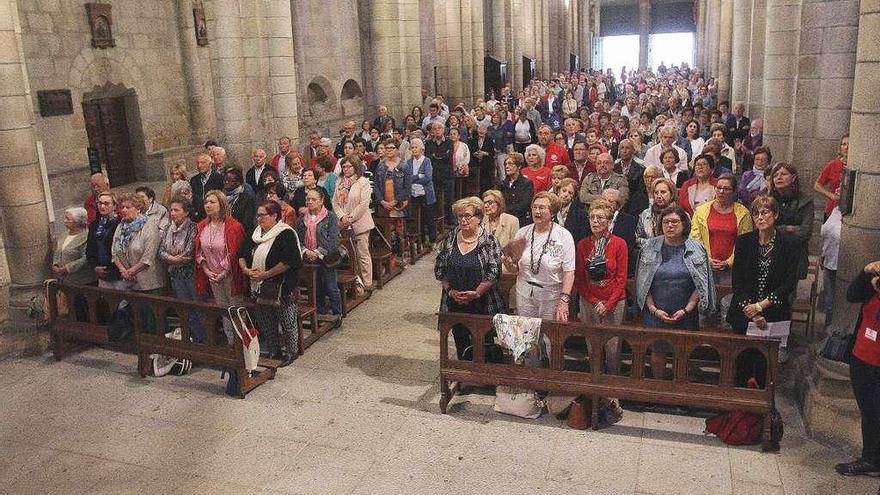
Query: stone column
[(514, 43), (202, 120), (700, 37), (545, 38), (467, 51), (755, 96), (397, 54), (24, 221), (860, 234), (739, 70), (714, 35), (644, 32), (724, 40), (500, 29), (282, 70), (780, 83), (230, 78), (479, 49), (585, 35), (452, 51)]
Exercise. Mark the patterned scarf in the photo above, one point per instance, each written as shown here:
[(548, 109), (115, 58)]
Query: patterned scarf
[(127, 231), (312, 222)]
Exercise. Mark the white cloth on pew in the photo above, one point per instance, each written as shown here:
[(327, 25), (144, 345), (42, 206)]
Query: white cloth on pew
[(518, 334)]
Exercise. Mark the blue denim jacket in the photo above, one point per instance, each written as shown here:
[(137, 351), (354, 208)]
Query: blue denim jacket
[(695, 259), (402, 177)]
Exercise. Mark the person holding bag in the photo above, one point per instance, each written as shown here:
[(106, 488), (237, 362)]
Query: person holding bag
[(319, 230), (270, 258)]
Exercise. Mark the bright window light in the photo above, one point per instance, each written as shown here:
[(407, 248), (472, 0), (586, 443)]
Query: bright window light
[(620, 51), (671, 49)]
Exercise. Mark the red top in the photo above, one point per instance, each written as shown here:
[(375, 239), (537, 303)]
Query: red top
[(722, 234), (830, 179), (234, 234), (555, 154), (612, 288), (867, 346), (684, 194), (540, 178)]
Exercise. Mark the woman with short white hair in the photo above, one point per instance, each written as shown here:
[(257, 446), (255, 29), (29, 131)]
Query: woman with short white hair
[(69, 262)]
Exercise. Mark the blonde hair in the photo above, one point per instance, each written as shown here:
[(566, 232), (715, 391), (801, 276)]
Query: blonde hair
[(180, 168), (498, 197), (559, 170), (470, 202), (221, 200), (602, 204), (134, 199), (669, 184), (568, 181), (549, 196)]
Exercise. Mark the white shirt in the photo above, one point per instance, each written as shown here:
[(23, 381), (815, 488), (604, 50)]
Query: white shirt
[(522, 133), (652, 156), (558, 258)]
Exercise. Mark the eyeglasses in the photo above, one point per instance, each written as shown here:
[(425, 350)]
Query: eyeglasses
[(671, 221), (724, 188), (465, 217), (490, 202)]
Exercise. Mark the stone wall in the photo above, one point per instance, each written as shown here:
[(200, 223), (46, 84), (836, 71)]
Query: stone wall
[(56, 42)]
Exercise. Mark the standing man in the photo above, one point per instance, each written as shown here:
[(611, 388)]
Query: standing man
[(254, 175), (310, 151), (280, 160), (439, 150), (737, 124), (204, 181), (347, 136), (603, 178), (554, 153), (629, 166), (98, 183)]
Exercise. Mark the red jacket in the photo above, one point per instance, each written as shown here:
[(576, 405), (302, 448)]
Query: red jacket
[(275, 160), (555, 154), (612, 288), (684, 198), (234, 234)]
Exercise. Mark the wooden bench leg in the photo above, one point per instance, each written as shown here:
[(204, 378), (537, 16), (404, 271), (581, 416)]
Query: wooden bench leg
[(143, 364), (445, 395)]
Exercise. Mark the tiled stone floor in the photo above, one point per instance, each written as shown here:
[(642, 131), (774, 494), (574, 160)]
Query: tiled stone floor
[(358, 415)]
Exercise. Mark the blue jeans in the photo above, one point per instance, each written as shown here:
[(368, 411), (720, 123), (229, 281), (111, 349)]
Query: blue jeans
[(185, 288), (328, 288)]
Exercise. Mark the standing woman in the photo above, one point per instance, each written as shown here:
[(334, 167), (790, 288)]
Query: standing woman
[(319, 230), (701, 187), (602, 265), (69, 260), (272, 254), (864, 370), (795, 209), (673, 285), (422, 195), (501, 132), (545, 271), (469, 267), (135, 246), (217, 239), (764, 275), (175, 173), (754, 181), (325, 176), (351, 203), (503, 226), (176, 251), (648, 226), (461, 154), (669, 163), (517, 190), (693, 143), (100, 242), (718, 223)]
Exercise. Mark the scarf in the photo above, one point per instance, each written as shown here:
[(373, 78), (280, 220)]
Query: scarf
[(598, 258), (263, 242), (311, 222), (232, 196), (655, 215), (127, 231), (344, 187)]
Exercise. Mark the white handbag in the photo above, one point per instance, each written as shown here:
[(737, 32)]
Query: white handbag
[(249, 335), (517, 402)]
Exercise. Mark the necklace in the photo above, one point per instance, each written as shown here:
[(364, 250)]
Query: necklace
[(462, 239), (537, 269)]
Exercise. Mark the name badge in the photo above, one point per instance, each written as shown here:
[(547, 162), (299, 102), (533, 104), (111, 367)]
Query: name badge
[(871, 334)]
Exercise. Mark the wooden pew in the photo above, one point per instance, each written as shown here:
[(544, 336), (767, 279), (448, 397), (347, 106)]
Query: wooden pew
[(386, 264), (69, 335), (686, 388), (308, 318)]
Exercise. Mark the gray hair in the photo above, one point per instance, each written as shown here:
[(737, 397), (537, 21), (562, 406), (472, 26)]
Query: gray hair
[(416, 141), (79, 215), (180, 187), (542, 155), (326, 142)]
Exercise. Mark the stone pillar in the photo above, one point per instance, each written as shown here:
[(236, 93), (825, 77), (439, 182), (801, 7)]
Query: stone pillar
[(755, 96), (739, 70), (700, 57), (479, 49), (644, 32), (714, 19), (24, 221), (724, 48), (780, 85), (397, 52), (585, 35), (452, 50), (282, 70), (544, 69), (500, 30), (514, 43), (467, 51), (202, 120)]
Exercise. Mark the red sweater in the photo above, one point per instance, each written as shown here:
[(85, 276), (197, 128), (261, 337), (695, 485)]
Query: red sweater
[(867, 346), (540, 178), (555, 154), (612, 288), (234, 234)]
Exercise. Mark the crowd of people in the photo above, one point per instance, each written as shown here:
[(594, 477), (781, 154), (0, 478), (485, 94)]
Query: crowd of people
[(574, 185)]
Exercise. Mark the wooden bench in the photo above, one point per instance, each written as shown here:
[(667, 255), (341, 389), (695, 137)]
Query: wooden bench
[(308, 318), (688, 385), (69, 335), (386, 264)]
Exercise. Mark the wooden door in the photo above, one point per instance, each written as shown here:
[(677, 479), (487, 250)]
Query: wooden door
[(107, 129)]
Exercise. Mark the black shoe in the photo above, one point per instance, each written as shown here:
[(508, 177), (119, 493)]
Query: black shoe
[(858, 468), (287, 361)]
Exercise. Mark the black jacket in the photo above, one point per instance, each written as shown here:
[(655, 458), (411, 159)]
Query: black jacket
[(441, 159), (578, 221), (485, 166), (638, 196), (92, 248), (255, 182), (625, 228), (518, 198), (215, 182), (245, 211), (781, 282), (284, 250)]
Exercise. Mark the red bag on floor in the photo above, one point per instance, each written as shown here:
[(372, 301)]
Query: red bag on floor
[(737, 427)]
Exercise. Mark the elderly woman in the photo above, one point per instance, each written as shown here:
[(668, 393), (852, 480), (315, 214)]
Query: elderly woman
[(292, 175), (278, 193), (152, 209), (648, 225), (136, 245), (864, 370), (496, 221), (517, 190), (310, 182), (571, 214), (764, 277), (319, 231), (392, 183), (100, 242), (352, 207), (673, 285), (718, 223), (601, 269), (795, 209), (69, 260), (175, 173), (325, 174), (270, 258), (422, 197), (535, 170), (754, 181), (217, 239), (669, 165), (176, 251), (469, 266), (545, 270), (700, 188)]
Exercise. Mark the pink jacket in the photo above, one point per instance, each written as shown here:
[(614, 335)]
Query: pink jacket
[(357, 205)]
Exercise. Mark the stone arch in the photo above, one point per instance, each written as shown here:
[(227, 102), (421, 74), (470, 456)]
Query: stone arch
[(89, 71), (320, 97), (351, 90)]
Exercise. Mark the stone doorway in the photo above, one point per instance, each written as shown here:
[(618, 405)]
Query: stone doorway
[(108, 113)]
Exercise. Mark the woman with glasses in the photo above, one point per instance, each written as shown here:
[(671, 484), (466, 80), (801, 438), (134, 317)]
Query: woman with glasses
[(674, 284), (718, 223), (469, 266), (700, 188)]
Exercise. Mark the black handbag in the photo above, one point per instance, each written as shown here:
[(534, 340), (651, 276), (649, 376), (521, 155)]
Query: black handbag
[(838, 347), (269, 293)]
